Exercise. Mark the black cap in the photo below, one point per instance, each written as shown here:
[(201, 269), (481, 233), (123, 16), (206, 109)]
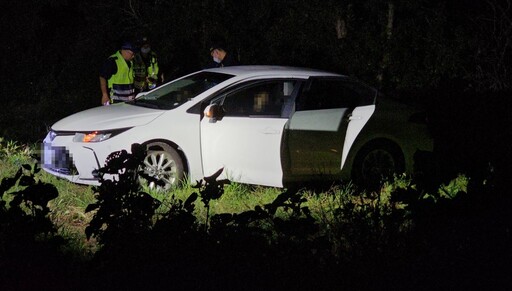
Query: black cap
[(217, 45), (129, 46), (144, 40)]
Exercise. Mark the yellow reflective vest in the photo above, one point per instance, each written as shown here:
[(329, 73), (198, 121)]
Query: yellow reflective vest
[(121, 83), (146, 77)]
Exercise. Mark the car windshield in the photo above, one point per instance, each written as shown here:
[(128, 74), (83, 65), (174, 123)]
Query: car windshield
[(176, 93)]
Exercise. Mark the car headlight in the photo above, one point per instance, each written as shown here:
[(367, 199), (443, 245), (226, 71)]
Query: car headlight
[(96, 136)]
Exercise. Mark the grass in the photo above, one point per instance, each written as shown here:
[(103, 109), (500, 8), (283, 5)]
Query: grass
[(68, 213), (68, 209), (237, 198), (349, 236)]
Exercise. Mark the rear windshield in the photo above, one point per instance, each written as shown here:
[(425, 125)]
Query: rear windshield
[(174, 94)]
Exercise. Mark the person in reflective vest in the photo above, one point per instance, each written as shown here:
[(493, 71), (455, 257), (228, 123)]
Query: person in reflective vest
[(116, 76), (145, 67)]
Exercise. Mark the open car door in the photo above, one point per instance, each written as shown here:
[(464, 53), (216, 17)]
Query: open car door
[(329, 114)]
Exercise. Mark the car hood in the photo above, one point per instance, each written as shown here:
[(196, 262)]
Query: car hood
[(107, 117)]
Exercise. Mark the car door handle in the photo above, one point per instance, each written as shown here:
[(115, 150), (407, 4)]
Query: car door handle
[(352, 117), (269, 130)]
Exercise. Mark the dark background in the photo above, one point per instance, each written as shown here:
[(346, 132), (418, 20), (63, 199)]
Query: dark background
[(451, 56)]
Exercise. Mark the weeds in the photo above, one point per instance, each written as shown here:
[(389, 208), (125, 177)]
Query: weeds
[(122, 210), (289, 234), (29, 242)]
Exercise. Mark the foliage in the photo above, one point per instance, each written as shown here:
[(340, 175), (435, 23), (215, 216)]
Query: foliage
[(122, 209), (210, 189), (56, 47), (300, 239), (455, 187), (28, 239), (26, 214), (13, 151)]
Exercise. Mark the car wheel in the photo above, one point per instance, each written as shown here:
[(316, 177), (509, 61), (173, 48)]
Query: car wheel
[(377, 162), (164, 163)]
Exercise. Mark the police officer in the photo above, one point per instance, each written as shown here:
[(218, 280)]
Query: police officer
[(220, 57), (145, 67), (116, 76)]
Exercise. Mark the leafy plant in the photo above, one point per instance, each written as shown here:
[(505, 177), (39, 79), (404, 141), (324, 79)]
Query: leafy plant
[(454, 188), (210, 189), (26, 232), (28, 208), (299, 237), (123, 210)]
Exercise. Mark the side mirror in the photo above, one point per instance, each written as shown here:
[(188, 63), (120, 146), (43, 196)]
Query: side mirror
[(214, 112)]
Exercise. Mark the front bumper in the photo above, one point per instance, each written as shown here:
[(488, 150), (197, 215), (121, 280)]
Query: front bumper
[(76, 162)]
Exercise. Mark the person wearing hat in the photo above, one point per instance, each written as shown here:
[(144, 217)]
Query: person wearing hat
[(116, 76), (221, 58), (145, 67)]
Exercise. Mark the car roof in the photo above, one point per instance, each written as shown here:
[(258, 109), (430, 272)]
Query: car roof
[(260, 70)]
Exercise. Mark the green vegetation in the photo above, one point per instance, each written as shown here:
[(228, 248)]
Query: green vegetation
[(452, 234), (68, 210), (124, 235)]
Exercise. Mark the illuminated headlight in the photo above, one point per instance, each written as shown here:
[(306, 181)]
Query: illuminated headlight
[(96, 136)]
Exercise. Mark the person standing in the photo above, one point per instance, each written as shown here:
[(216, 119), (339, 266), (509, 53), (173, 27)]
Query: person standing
[(221, 57), (146, 67), (116, 76)]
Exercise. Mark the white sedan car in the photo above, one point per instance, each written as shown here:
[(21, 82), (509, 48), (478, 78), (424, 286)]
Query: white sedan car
[(265, 125)]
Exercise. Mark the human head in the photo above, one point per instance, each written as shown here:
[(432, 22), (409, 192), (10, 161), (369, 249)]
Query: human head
[(261, 100), (217, 52), (145, 45), (128, 50)]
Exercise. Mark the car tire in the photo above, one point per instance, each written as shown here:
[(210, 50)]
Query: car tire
[(164, 163), (376, 162)]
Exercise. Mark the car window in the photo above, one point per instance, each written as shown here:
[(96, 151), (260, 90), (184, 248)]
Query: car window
[(180, 91), (324, 93), (261, 99)]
